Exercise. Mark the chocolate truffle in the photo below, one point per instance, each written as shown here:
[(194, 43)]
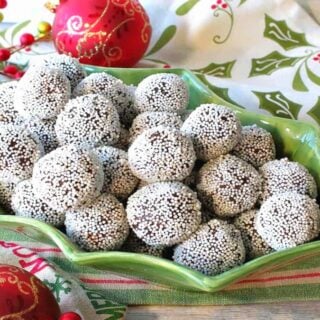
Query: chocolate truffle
[(100, 226), (283, 175), (256, 146), (288, 219), (70, 66), (42, 93), (118, 178), (110, 87), (149, 120), (254, 244), (161, 154), (67, 178), (26, 204), (162, 92), (19, 151), (214, 130), (164, 213), (89, 120), (228, 185), (214, 248)]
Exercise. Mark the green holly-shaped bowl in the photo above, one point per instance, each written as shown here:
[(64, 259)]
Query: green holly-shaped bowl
[(296, 140)]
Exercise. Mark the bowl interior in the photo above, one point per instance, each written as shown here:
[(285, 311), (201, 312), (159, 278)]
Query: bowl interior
[(296, 140)]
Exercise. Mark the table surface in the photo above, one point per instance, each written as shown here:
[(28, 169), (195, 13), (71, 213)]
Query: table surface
[(274, 311)]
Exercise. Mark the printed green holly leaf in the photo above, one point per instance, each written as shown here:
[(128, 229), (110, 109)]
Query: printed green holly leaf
[(59, 286), (221, 92), (165, 37), (278, 31), (271, 63), (222, 70), (242, 2), (312, 76), (278, 105), (297, 82), (186, 7), (314, 112), (2, 33)]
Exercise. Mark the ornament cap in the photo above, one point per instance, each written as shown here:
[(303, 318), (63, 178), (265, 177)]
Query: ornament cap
[(52, 5)]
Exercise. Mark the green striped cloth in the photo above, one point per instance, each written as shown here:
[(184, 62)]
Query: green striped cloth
[(297, 281)]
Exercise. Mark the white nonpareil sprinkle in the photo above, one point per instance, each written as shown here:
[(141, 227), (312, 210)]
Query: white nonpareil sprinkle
[(42, 93), (71, 67), (44, 131), (7, 186), (149, 120), (19, 151), (110, 87), (162, 92), (254, 244), (118, 177), (67, 177), (215, 130), (256, 146), (8, 114), (282, 175), (26, 204), (288, 219), (128, 113), (164, 213), (89, 120), (228, 185), (101, 225), (123, 141), (161, 154), (134, 244), (214, 248)]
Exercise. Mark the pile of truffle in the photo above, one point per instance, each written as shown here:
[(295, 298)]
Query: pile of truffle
[(129, 168)]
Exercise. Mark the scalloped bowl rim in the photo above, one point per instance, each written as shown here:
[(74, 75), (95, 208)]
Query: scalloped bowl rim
[(200, 282)]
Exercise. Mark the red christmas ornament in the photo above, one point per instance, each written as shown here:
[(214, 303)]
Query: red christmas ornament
[(112, 33), (23, 296)]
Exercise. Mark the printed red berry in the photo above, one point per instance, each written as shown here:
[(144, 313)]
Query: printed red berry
[(166, 66), (19, 75), (10, 69), (3, 4), (4, 54), (225, 6), (27, 39), (219, 1), (213, 7), (316, 58)]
